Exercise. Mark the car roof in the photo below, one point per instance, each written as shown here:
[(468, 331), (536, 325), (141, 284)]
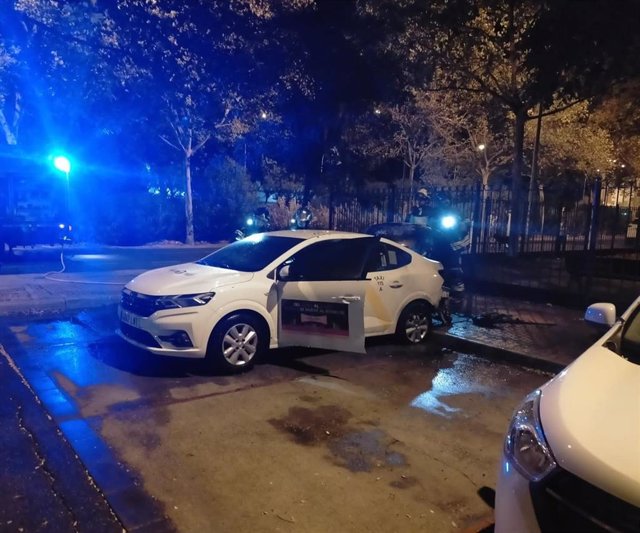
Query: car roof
[(317, 234)]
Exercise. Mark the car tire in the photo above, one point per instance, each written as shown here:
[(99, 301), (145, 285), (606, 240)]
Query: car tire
[(414, 325), (236, 343)]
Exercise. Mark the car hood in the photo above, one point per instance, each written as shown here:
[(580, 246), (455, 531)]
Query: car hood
[(590, 415), (187, 278)]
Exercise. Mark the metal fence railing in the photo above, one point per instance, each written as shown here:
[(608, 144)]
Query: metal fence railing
[(575, 245), (552, 223)]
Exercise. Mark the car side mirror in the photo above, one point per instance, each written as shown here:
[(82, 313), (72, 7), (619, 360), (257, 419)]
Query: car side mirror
[(282, 274), (601, 313)]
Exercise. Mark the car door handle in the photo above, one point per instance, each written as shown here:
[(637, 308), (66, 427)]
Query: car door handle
[(347, 298), (395, 285)]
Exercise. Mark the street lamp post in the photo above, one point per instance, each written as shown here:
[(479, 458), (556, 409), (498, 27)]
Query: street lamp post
[(63, 164)]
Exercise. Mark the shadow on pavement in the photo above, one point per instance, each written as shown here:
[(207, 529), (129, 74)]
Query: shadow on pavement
[(116, 353)]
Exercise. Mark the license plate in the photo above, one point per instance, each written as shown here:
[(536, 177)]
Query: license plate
[(130, 318)]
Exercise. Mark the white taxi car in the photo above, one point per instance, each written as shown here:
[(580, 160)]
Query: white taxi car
[(571, 459), (322, 289)]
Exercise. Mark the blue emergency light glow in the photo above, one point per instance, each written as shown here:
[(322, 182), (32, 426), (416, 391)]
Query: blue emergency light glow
[(249, 222), (62, 164), (448, 221)]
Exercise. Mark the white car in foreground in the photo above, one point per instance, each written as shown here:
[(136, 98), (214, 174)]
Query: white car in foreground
[(571, 459), (322, 289)]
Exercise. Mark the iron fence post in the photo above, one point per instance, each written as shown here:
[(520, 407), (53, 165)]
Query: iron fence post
[(331, 209), (391, 204), (593, 234), (476, 222)]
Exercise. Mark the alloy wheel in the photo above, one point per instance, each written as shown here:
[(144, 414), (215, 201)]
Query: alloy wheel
[(417, 326), (240, 344)]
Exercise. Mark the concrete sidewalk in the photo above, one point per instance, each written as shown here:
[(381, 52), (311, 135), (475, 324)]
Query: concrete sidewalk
[(537, 335), (48, 294)]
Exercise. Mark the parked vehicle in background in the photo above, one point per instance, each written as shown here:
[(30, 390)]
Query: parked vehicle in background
[(571, 458), (322, 289), (14, 232), (427, 242), (33, 206)]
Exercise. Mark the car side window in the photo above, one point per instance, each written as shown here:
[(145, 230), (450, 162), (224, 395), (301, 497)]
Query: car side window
[(387, 257), (332, 260)]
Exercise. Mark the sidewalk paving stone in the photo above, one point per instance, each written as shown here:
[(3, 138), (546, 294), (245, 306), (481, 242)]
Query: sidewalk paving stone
[(543, 336)]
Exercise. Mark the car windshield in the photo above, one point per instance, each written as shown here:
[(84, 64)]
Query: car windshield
[(250, 254)]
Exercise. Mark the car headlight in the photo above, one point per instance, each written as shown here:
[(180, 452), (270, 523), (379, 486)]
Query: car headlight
[(525, 443), (183, 300)]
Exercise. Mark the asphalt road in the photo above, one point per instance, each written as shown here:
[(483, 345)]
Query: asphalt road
[(79, 258), (399, 439)]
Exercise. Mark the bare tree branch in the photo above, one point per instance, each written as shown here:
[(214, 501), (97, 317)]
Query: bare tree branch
[(178, 136), (163, 138), (201, 144)]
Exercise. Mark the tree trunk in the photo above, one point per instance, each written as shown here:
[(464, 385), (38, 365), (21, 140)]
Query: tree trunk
[(188, 201), (412, 173), (516, 183), (9, 135), (484, 227), (11, 130), (534, 171)]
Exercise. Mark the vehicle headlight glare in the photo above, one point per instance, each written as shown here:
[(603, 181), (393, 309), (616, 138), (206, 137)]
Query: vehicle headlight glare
[(525, 443), (249, 222), (184, 300)]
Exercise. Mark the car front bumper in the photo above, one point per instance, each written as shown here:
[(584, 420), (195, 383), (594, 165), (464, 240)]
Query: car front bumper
[(514, 507), (157, 334)]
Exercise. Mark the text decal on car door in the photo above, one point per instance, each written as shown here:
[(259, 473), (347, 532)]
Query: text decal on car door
[(324, 318)]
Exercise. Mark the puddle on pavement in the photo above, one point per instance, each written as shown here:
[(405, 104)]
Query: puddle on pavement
[(97, 399), (363, 451), (468, 375), (53, 332), (313, 426), (355, 450)]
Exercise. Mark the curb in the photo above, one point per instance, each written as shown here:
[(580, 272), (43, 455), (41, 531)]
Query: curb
[(55, 306), (494, 353), (69, 436), (70, 494)]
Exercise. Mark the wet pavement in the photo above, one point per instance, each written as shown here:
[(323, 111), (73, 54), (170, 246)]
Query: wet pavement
[(398, 439), (415, 433), (44, 486), (538, 335)]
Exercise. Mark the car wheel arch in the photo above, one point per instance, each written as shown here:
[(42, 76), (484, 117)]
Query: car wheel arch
[(232, 308), (250, 313), (413, 299)]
